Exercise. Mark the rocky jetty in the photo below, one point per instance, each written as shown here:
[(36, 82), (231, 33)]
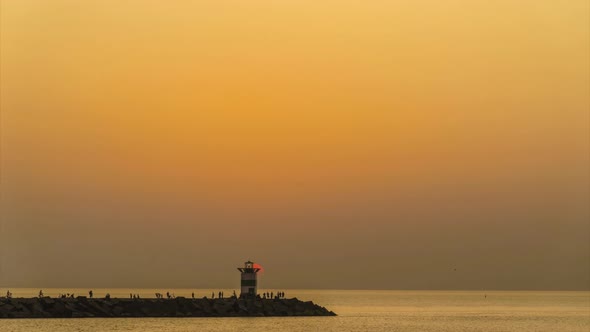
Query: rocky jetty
[(81, 307)]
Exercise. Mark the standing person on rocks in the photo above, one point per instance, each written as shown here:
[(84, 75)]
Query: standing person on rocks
[(193, 295), (212, 295), (90, 294)]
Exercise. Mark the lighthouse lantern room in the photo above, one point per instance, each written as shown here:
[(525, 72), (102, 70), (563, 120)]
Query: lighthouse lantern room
[(248, 281)]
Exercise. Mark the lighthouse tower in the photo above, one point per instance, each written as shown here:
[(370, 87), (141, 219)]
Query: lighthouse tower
[(248, 279)]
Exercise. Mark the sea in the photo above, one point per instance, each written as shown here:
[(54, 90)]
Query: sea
[(358, 310)]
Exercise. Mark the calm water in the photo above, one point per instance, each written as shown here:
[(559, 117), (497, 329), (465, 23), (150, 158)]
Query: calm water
[(357, 310)]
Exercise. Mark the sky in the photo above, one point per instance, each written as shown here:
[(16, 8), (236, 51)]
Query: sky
[(340, 144)]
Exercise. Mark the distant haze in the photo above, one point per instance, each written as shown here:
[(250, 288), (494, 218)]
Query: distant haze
[(340, 144)]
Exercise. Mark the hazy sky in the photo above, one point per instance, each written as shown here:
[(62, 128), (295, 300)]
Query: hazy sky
[(340, 144)]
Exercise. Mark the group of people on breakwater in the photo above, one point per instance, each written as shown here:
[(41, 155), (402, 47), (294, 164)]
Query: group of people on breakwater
[(160, 296), (168, 295), (271, 295), (220, 295)]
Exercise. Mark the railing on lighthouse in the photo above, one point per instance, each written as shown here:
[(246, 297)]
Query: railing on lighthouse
[(248, 280)]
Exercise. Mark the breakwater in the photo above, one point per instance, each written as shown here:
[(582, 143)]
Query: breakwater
[(81, 307)]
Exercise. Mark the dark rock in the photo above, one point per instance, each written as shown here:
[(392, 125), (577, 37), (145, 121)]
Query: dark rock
[(180, 307)]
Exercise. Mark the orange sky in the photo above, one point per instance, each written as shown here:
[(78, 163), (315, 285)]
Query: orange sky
[(410, 137)]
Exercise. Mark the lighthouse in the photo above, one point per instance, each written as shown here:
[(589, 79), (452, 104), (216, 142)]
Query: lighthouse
[(248, 279)]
